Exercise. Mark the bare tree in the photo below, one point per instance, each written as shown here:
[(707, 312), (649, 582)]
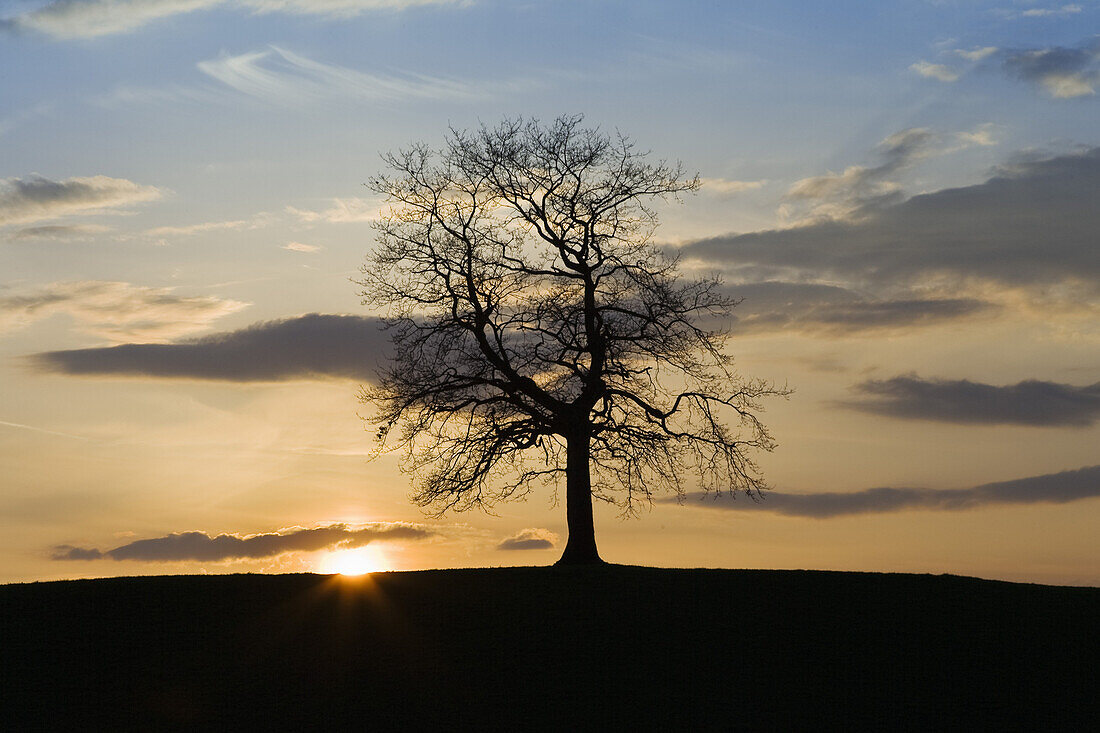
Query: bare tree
[(537, 330)]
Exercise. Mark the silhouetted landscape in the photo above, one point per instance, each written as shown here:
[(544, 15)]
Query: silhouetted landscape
[(538, 648)]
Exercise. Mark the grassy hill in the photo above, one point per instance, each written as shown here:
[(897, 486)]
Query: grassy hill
[(550, 648)]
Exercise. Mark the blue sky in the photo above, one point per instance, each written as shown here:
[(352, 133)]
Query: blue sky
[(900, 190)]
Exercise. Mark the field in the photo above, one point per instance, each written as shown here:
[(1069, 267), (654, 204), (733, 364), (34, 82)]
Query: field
[(615, 647)]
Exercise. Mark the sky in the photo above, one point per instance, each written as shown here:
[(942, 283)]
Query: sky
[(904, 194)]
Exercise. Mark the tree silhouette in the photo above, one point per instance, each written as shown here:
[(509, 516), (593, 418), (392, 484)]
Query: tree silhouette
[(537, 330)]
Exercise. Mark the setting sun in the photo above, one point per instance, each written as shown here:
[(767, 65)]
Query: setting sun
[(354, 561)]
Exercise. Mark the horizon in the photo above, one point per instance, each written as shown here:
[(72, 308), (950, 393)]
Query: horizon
[(903, 194)]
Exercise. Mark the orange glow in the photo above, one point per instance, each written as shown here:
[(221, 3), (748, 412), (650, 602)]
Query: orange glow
[(353, 561)]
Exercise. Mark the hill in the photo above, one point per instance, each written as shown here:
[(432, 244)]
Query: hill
[(549, 648)]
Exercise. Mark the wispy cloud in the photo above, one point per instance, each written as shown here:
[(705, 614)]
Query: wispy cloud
[(314, 346), (1053, 488), (342, 211), (189, 229), (532, 538), (17, 118), (201, 547), (302, 247), (32, 428), (116, 311), (976, 54), (858, 187), (58, 232), (725, 187), (69, 19), (36, 198), (279, 76), (1031, 402), (935, 71), (91, 18), (1060, 12)]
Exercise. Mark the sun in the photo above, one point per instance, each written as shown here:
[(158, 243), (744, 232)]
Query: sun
[(353, 561)]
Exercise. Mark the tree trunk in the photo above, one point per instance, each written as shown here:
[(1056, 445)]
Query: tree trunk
[(580, 549)]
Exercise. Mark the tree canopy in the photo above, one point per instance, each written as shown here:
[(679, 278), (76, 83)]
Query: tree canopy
[(538, 331)]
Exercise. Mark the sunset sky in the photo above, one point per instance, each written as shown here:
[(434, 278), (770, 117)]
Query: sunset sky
[(906, 194)]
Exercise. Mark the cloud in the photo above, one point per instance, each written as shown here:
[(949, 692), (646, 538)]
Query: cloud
[(209, 226), (58, 232), (201, 547), (117, 311), (1063, 73), (533, 538), (343, 211), (91, 18), (1034, 222), (844, 195), (279, 76), (34, 429), (830, 310), (69, 19), (314, 346), (976, 54), (1062, 12), (1030, 402), (339, 8), (1054, 488), (300, 247), (935, 71), (36, 198), (726, 187)]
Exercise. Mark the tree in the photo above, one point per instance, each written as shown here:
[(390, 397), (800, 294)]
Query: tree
[(537, 330)]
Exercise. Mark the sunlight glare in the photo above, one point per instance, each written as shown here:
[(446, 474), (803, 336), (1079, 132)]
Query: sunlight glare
[(353, 561)]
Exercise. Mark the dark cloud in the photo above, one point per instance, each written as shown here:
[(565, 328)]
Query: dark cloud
[(1030, 402), (529, 539), (1033, 222), (1054, 488), (831, 310), (305, 347), (57, 232), (68, 552), (35, 198), (1062, 72), (199, 546)]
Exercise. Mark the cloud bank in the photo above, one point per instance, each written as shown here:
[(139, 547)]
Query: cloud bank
[(1054, 488), (1034, 222), (313, 346), (199, 546), (532, 538), (69, 19), (116, 311), (36, 198), (829, 310), (1030, 402)]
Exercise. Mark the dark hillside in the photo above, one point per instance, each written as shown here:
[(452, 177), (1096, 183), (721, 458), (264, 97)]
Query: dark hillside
[(548, 648)]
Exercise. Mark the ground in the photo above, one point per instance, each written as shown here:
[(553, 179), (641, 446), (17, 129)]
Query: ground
[(608, 648)]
